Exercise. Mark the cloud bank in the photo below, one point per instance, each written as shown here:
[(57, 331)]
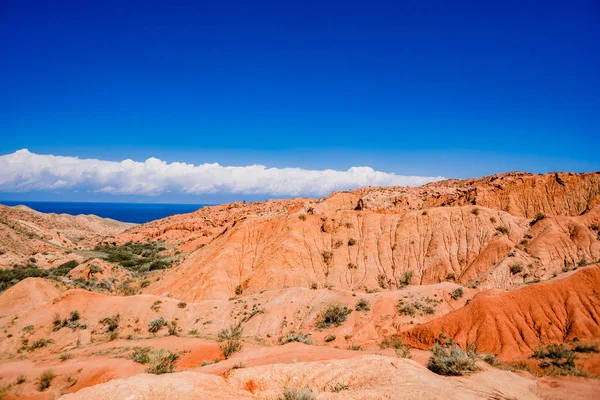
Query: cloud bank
[(23, 171)]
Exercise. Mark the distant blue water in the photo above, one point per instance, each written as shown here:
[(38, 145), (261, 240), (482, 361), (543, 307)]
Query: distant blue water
[(126, 212)]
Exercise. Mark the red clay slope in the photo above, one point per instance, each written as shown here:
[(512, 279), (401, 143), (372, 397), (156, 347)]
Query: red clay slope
[(512, 324)]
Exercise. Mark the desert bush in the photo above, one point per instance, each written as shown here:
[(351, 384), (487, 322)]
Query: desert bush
[(339, 386), (351, 242), (362, 305), (490, 359), (327, 257), (141, 355), (329, 338), (582, 348), (10, 277), (475, 211), (40, 343), (74, 316), (451, 276), (182, 304), (502, 230), (406, 278), (156, 306), (516, 269), (396, 343), (538, 217), (405, 309), (457, 294), (162, 362), (451, 361), (352, 265), (230, 347), (335, 314), (239, 290), (233, 332), (21, 379), (295, 337), (354, 347), (65, 356), (382, 281), (290, 393), (156, 324), (45, 380), (111, 323)]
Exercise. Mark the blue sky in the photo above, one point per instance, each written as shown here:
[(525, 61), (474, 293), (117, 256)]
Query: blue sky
[(453, 89)]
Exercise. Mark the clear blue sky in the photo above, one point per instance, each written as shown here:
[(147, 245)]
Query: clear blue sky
[(452, 88)]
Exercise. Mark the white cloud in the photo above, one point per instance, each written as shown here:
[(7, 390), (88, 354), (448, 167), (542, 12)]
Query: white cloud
[(23, 171)]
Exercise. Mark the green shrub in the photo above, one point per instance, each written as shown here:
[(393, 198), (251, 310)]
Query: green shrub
[(457, 294), (111, 323), (75, 316), (538, 217), (45, 380), (362, 305), (396, 343), (405, 309), (40, 343), (156, 324), (335, 314), (297, 394), (490, 359), (141, 355), (233, 332), (295, 337), (162, 362), (516, 269), (581, 348), (502, 230), (230, 347), (451, 361)]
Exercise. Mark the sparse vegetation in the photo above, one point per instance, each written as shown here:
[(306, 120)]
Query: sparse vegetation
[(538, 217), (182, 304), (351, 242), (136, 256), (451, 361), (457, 293), (405, 309), (339, 386), (516, 269), (297, 394), (157, 324), (490, 359), (40, 343), (230, 347), (406, 278), (502, 230), (65, 356), (141, 355), (335, 314), (234, 332), (329, 338), (561, 361), (21, 379), (10, 277), (239, 290), (45, 380), (363, 305), (396, 343), (582, 348), (327, 257), (295, 337), (111, 323), (162, 362), (382, 281), (156, 306)]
